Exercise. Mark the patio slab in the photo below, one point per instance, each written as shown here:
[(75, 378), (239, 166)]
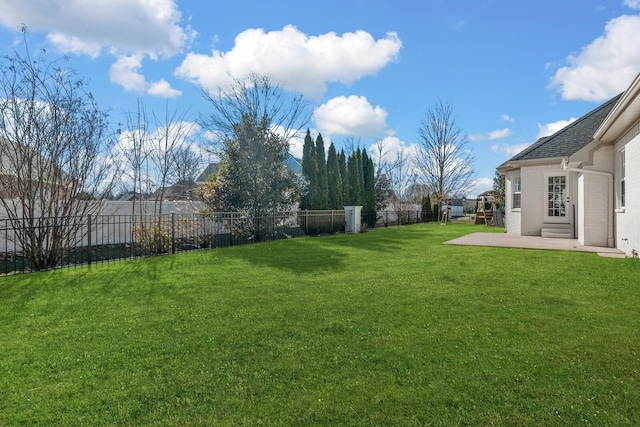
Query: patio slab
[(505, 240)]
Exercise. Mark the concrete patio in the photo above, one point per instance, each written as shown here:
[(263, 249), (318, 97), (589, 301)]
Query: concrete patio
[(505, 240)]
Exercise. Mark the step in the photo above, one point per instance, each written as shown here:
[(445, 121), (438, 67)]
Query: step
[(557, 231)]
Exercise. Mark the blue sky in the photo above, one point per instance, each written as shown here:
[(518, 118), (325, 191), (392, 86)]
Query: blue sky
[(512, 70)]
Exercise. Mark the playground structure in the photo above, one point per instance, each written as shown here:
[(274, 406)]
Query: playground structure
[(489, 210)]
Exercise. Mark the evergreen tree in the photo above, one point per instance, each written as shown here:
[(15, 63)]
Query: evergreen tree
[(353, 172), (253, 177), (369, 193), (308, 171), (369, 185), (498, 185), (360, 176), (427, 212), (334, 179), (321, 198), (342, 163), (383, 183)]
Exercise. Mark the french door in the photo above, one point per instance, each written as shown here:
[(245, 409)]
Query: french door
[(557, 198)]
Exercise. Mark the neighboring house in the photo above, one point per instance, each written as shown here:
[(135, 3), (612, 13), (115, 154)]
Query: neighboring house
[(583, 181), (211, 169), (21, 165), (293, 164)]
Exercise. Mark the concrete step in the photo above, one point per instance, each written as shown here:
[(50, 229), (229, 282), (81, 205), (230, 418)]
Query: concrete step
[(557, 231)]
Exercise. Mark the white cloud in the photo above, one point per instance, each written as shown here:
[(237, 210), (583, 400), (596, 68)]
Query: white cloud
[(162, 89), (74, 45), (507, 118), (125, 72), (499, 134), (508, 150), (605, 67), (390, 148), (547, 129), (183, 133), (82, 26), (296, 141), (302, 63), (633, 4), (493, 135), (480, 185), (553, 127), (129, 29), (351, 116)]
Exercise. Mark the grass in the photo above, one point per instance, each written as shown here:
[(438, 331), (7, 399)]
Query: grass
[(390, 327)]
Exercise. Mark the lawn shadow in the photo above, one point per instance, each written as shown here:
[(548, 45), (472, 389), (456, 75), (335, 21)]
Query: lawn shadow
[(379, 239), (300, 255)]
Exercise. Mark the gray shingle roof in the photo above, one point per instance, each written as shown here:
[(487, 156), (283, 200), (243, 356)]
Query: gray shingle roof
[(569, 139)]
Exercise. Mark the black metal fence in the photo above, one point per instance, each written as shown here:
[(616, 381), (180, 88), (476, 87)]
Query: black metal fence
[(102, 238)]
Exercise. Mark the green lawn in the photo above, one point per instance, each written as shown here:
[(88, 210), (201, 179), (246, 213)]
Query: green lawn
[(385, 328)]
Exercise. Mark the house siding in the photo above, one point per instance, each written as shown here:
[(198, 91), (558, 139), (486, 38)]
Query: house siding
[(513, 216), (593, 209), (533, 197), (627, 229)]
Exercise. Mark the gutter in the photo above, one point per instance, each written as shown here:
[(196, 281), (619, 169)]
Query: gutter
[(565, 166)]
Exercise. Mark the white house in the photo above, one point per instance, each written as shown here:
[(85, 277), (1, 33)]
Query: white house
[(583, 181)]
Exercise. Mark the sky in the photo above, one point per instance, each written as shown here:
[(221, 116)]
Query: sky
[(511, 70)]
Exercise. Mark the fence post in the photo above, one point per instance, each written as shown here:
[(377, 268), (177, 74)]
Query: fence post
[(173, 232), (89, 239)]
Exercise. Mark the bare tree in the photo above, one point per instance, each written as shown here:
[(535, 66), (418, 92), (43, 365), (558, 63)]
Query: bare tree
[(399, 171), (172, 135), (151, 156), (53, 154), (186, 165), (402, 175), (136, 152), (258, 97), (443, 161)]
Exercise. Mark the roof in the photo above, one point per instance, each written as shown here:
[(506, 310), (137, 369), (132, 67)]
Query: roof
[(623, 116), (293, 164), (569, 139), (211, 169)]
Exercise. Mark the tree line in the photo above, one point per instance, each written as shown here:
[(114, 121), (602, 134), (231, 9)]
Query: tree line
[(56, 151), (337, 179)]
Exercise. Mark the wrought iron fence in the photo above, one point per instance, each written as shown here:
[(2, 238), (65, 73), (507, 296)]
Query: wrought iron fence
[(102, 238)]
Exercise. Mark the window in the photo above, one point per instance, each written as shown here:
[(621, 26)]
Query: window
[(622, 179), (516, 200)]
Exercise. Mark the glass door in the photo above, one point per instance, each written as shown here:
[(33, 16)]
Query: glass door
[(556, 208)]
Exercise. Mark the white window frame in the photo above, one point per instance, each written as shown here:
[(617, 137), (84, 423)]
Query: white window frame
[(516, 190)]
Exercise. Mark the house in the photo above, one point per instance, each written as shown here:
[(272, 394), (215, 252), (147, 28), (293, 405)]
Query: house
[(25, 172), (293, 164), (583, 181)]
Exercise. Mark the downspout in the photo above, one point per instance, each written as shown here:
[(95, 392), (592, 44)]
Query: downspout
[(565, 166)]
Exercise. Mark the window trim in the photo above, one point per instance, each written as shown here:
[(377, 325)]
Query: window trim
[(516, 189)]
